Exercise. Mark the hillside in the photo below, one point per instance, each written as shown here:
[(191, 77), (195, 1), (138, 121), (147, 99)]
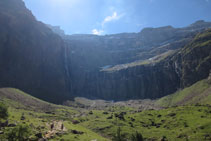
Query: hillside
[(199, 93), (88, 124), (39, 116)]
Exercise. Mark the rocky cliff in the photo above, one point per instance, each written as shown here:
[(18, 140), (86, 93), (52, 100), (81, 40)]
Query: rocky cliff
[(152, 78), (149, 64), (31, 55), (152, 63)]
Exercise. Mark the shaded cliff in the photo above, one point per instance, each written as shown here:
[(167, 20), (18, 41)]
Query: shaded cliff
[(152, 63), (31, 55), (154, 77)]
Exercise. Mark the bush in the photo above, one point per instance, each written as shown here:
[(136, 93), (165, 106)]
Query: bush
[(3, 111), (19, 133), (137, 137), (118, 136)]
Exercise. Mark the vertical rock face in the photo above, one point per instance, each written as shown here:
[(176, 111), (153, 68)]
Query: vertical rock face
[(150, 78), (31, 55), (195, 59), (149, 64)]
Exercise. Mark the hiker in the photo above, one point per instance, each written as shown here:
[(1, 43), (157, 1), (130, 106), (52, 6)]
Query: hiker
[(62, 126), (52, 126)]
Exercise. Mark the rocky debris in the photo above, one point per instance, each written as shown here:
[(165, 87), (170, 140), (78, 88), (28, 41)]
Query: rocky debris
[(56, 128), (77, 132), (75, 122)]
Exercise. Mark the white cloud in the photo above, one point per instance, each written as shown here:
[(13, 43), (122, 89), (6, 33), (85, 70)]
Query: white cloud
[(97, 32), (107, 19), (113, 17)]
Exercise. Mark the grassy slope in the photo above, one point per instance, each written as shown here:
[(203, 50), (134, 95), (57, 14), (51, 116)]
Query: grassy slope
[(153, 60), (176, 123), (199, 93), (34, 111), (190, 122)]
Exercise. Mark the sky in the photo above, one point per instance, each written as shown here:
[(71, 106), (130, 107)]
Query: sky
[(102, 17)]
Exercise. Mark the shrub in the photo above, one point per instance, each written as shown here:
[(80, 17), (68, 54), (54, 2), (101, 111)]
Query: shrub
[(3, 111), (137, 137), (118, 136), (19, 133)]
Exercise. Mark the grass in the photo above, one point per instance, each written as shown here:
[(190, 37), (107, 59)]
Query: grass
[(193, 122), (189, 122), (153, 60), (39, 120), (200, 93)]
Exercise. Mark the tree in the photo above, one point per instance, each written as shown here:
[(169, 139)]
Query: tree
[(137, 137), (19, 133), (3, 111)]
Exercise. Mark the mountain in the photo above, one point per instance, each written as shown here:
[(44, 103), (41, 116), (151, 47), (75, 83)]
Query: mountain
[(32, 57), (150, 64), (41, 60)]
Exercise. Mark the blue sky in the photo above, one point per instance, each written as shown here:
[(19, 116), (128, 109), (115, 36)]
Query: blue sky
[(117, 16)]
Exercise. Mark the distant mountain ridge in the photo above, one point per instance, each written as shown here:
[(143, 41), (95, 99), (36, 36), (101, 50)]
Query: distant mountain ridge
[(110, 67), (152, 63)]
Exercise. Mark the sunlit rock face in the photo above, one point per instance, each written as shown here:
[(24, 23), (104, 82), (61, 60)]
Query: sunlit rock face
[(149, 64)]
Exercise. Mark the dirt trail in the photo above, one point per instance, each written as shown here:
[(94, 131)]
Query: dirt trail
[(56, 127)]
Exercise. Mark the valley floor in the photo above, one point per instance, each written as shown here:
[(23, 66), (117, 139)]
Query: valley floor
[(98, 120)]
